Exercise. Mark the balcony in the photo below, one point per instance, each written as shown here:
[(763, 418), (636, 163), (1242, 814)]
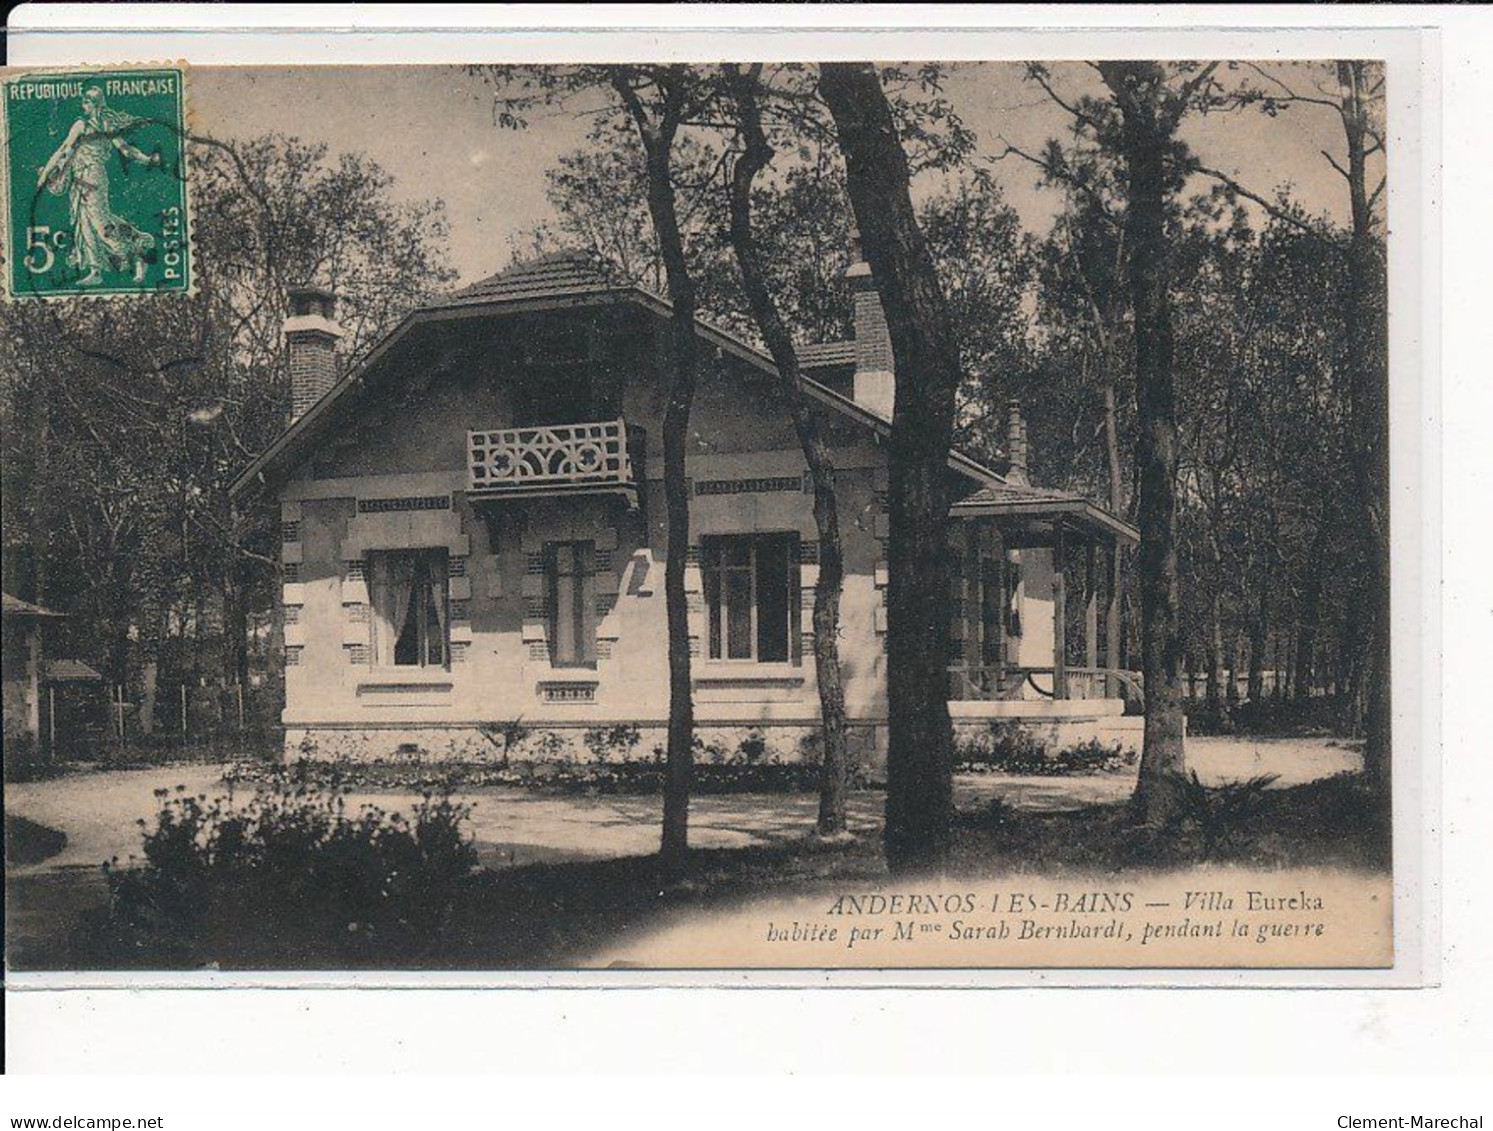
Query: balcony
[(605, 457)]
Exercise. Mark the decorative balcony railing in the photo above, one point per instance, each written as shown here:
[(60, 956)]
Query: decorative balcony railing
[(556, 459)]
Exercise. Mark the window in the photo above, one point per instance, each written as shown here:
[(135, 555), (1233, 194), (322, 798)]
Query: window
[(751, 596), (571, 567), (410, 603)]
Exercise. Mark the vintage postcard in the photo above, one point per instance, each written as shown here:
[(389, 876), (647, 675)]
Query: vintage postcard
[(648, 517)]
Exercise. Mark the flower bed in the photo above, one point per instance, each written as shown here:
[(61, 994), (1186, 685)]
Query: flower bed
[(604, 761)]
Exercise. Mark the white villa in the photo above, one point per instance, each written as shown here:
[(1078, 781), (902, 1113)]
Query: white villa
[(473, 531)]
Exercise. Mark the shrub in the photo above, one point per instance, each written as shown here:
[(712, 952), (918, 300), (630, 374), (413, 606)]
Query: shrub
[(143, 752), (25, 760), (1208, 717), (293, 856), (1010, 747), (1092, 757), (753, 748), (603, 742), (617, 766), (1317, 716), (714, 752), (1003, 745), (1215, 818), (554, 747)]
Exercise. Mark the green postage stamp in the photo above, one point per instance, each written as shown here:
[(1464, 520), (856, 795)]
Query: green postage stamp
[(96, 187)]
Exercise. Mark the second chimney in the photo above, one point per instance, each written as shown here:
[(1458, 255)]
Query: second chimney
[(311, 336), (1016, 445), (875, 386)]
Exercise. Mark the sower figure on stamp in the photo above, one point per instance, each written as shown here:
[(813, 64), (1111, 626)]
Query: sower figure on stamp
[(80, 167)]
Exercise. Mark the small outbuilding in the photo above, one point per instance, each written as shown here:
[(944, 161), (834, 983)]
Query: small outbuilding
[(24, 663), (75, 708)]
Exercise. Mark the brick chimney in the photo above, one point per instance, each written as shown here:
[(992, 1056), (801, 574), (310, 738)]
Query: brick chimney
[(1016, 445), (311, 337), (875, 387)]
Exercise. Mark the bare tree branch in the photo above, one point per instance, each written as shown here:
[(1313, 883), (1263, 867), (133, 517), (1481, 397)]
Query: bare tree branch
[(1275, 210), (1331, 161), (1039, 76), (1289, 94)]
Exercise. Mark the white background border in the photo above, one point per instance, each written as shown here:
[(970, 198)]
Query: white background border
[(1380, 1031)]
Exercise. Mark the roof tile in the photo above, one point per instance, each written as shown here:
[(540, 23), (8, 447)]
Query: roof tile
[(572, 271), (822, 355)]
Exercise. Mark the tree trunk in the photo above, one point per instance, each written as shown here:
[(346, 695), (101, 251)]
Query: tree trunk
[(1305, 682), (1215, 659), (1218, 701), (919, 805), (833, 780), (1368, 422), (1351, 649), (235, 605), (1259, 635), (1231, 692), (658, 139), (1285, 666), (1147, 135), (43, 497), (1114, 653), (150, 672)]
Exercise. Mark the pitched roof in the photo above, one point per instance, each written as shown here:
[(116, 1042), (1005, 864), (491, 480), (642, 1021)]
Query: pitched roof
[(559, 274), (823, 355), (564, 278), (1008, 492), (70, 671), (576, 274), (1015, 499), (15, 607)]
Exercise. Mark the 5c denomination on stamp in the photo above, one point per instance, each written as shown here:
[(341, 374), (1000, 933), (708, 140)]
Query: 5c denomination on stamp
[(96, 187)]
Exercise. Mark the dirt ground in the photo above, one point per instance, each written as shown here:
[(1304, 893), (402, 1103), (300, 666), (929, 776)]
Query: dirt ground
[(99, 812)]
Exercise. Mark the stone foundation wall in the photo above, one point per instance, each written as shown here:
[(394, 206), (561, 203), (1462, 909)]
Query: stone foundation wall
[(733, 744)]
